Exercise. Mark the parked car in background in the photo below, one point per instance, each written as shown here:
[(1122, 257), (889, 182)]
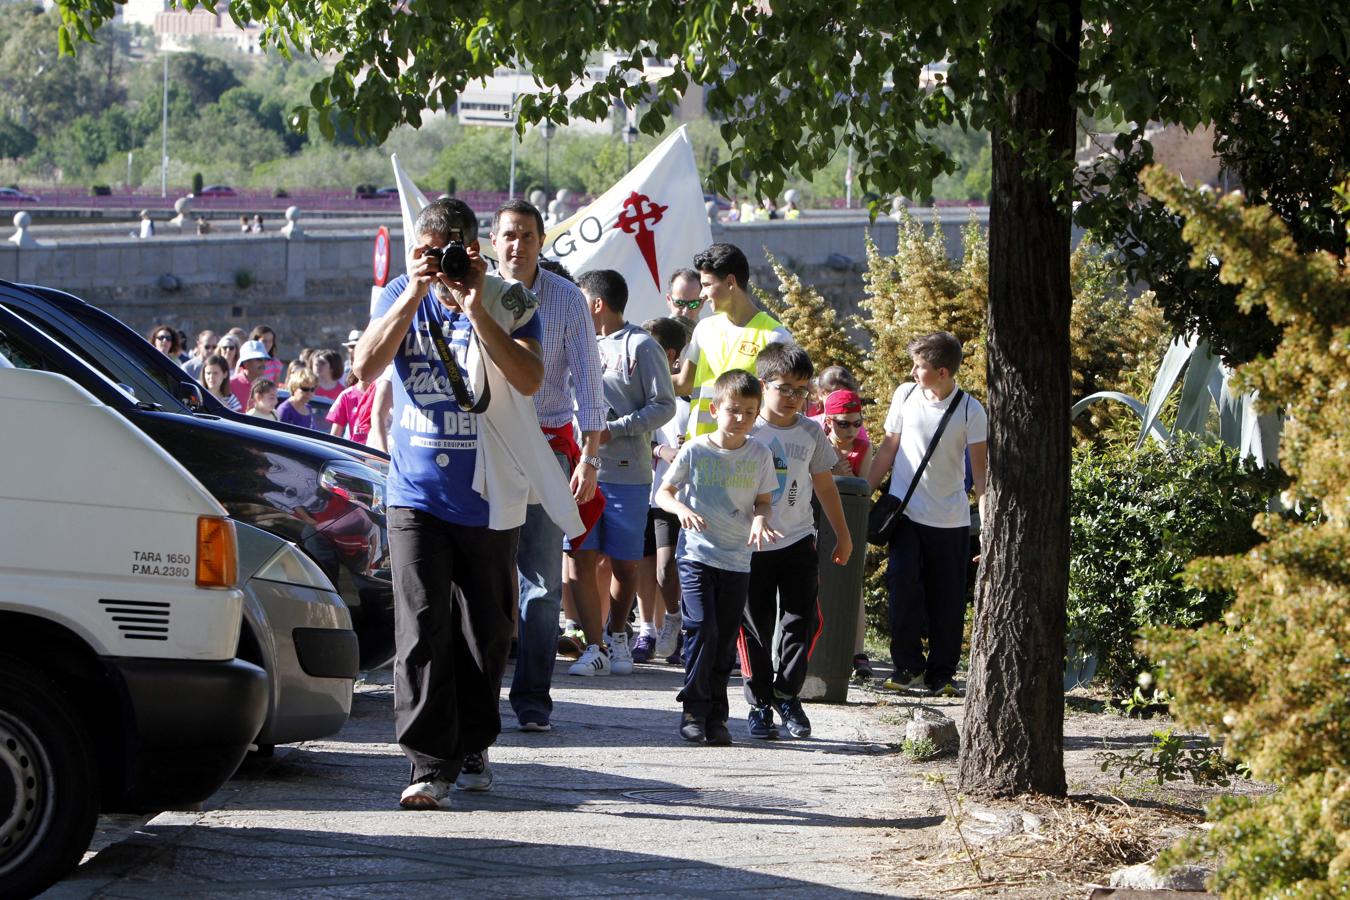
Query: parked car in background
[(218, 190), (296, 629), (301, 486), (14, 195), (120, 616)]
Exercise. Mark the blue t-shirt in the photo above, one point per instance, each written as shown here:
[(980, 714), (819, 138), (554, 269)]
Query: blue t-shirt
[(432, 441)]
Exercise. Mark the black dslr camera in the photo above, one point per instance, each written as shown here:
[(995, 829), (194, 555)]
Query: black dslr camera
[(452, 258)]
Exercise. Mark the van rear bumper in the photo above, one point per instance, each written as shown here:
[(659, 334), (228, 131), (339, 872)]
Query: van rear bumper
[(188, 725)]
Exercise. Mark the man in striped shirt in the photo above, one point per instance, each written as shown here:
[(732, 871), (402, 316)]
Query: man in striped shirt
[(572, 379)]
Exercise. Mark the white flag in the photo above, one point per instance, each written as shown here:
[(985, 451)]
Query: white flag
[(645, 227)]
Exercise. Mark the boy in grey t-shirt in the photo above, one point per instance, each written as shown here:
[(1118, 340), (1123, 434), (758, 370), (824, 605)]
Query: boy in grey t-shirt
[(720, 486), (640, 399), (785, 581)]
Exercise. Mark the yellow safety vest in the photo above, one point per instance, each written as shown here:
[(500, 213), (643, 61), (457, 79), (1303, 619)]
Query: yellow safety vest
[(723, 347)]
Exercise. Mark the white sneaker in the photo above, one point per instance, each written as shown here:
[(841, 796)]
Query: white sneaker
[(669, 641), (594, 661), (475, 774), (428, 794), (620, 656)]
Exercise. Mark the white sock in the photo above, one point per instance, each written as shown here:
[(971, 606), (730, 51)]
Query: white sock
[(648, 630)]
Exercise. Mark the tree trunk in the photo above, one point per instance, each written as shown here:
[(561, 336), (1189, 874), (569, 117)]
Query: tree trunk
[(1014, 740)]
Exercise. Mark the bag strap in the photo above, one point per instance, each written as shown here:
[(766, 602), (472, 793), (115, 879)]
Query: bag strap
[(932, 445), (461, 390)]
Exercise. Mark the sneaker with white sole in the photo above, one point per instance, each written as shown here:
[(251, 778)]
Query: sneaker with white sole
[(620, 656), (475, 774), (429, 794), (593, 661), (669, 639)]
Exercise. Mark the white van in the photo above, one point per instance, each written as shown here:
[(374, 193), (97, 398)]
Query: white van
[(119, 623)]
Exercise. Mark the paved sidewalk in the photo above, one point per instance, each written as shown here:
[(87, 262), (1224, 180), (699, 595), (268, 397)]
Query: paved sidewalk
[(611, 802)]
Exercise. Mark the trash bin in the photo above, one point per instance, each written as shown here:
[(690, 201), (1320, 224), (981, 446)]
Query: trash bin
[(840, 597)]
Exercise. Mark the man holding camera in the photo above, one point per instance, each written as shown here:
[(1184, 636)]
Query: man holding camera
[(454, 575), (572, 379)]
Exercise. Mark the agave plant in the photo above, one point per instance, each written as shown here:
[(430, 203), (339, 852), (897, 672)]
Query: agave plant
[(1206, 385)]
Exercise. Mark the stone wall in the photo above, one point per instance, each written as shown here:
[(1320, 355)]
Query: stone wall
[(312, 289)]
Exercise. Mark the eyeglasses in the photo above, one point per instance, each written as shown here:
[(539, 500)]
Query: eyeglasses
[(689, 304), (847, 423), (800, 393), (163, 337)]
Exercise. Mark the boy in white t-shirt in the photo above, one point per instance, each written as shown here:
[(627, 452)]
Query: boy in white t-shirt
[(785, 580), (929, 552), (720, 487)]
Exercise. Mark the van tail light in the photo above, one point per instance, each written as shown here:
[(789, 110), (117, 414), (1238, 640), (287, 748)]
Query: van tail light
[(217, 556)]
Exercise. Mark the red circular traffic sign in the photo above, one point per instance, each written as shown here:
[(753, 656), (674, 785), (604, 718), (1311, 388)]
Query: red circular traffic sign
[(381, 259)]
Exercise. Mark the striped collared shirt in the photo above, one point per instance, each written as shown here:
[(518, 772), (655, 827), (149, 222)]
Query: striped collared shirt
[(571, 360)]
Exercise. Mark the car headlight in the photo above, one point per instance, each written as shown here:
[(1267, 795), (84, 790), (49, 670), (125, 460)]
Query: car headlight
[(355, 483), (289, 566)]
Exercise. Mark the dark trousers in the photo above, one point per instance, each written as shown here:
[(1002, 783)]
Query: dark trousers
[(712, 602), (784, 587), (454, 599), (926, 584)]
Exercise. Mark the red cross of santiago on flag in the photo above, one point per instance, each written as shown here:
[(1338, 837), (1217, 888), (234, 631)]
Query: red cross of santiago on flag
[(634, 219)]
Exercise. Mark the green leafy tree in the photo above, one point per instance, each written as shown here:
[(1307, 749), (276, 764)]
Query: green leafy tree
[(1272, 677), (813, 322), (811, 75), (15, 140), (204, 78), (1284, 140), (43, 90)]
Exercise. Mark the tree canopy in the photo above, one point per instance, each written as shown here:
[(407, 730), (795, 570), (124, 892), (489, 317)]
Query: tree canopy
[(792, 85)]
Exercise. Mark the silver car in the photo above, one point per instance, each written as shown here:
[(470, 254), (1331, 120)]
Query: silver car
[(299, 631)]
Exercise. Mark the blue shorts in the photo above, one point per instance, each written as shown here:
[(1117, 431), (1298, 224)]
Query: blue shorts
[(622, 527)]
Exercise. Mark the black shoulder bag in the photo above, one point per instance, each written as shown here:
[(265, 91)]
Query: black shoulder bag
[(461, 390), (886, 512)]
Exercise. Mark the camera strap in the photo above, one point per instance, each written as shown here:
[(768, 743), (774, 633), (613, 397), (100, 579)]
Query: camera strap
[(461, 390)]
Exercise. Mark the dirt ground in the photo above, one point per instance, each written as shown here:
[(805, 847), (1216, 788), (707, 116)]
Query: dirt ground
[(1034, 847)]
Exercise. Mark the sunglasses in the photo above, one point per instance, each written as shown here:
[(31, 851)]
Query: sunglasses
[(210, 346), (163, 337), (306, 390), (847, 423), (688, 304), (801, 393)]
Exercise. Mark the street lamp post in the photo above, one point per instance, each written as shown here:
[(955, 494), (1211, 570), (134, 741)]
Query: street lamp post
[(547, 129), (630, 136)]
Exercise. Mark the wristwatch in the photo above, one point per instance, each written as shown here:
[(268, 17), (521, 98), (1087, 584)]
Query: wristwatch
[(592, 461)]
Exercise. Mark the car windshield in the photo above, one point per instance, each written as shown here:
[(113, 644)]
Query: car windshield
[(97, 352)]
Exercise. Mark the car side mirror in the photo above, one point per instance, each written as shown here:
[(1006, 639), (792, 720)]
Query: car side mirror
[(190, 394)]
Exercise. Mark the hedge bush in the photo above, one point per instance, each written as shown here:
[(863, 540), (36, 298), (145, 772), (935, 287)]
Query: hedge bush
[(1138, 519)]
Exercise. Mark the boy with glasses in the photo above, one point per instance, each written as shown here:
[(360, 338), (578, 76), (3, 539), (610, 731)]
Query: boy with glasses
[(785, 580)]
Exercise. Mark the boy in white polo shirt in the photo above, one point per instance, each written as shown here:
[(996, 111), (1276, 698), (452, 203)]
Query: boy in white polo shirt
[(929, 551)]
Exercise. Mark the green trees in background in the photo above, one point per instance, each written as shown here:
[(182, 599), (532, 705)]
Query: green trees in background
[(75, 119)]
